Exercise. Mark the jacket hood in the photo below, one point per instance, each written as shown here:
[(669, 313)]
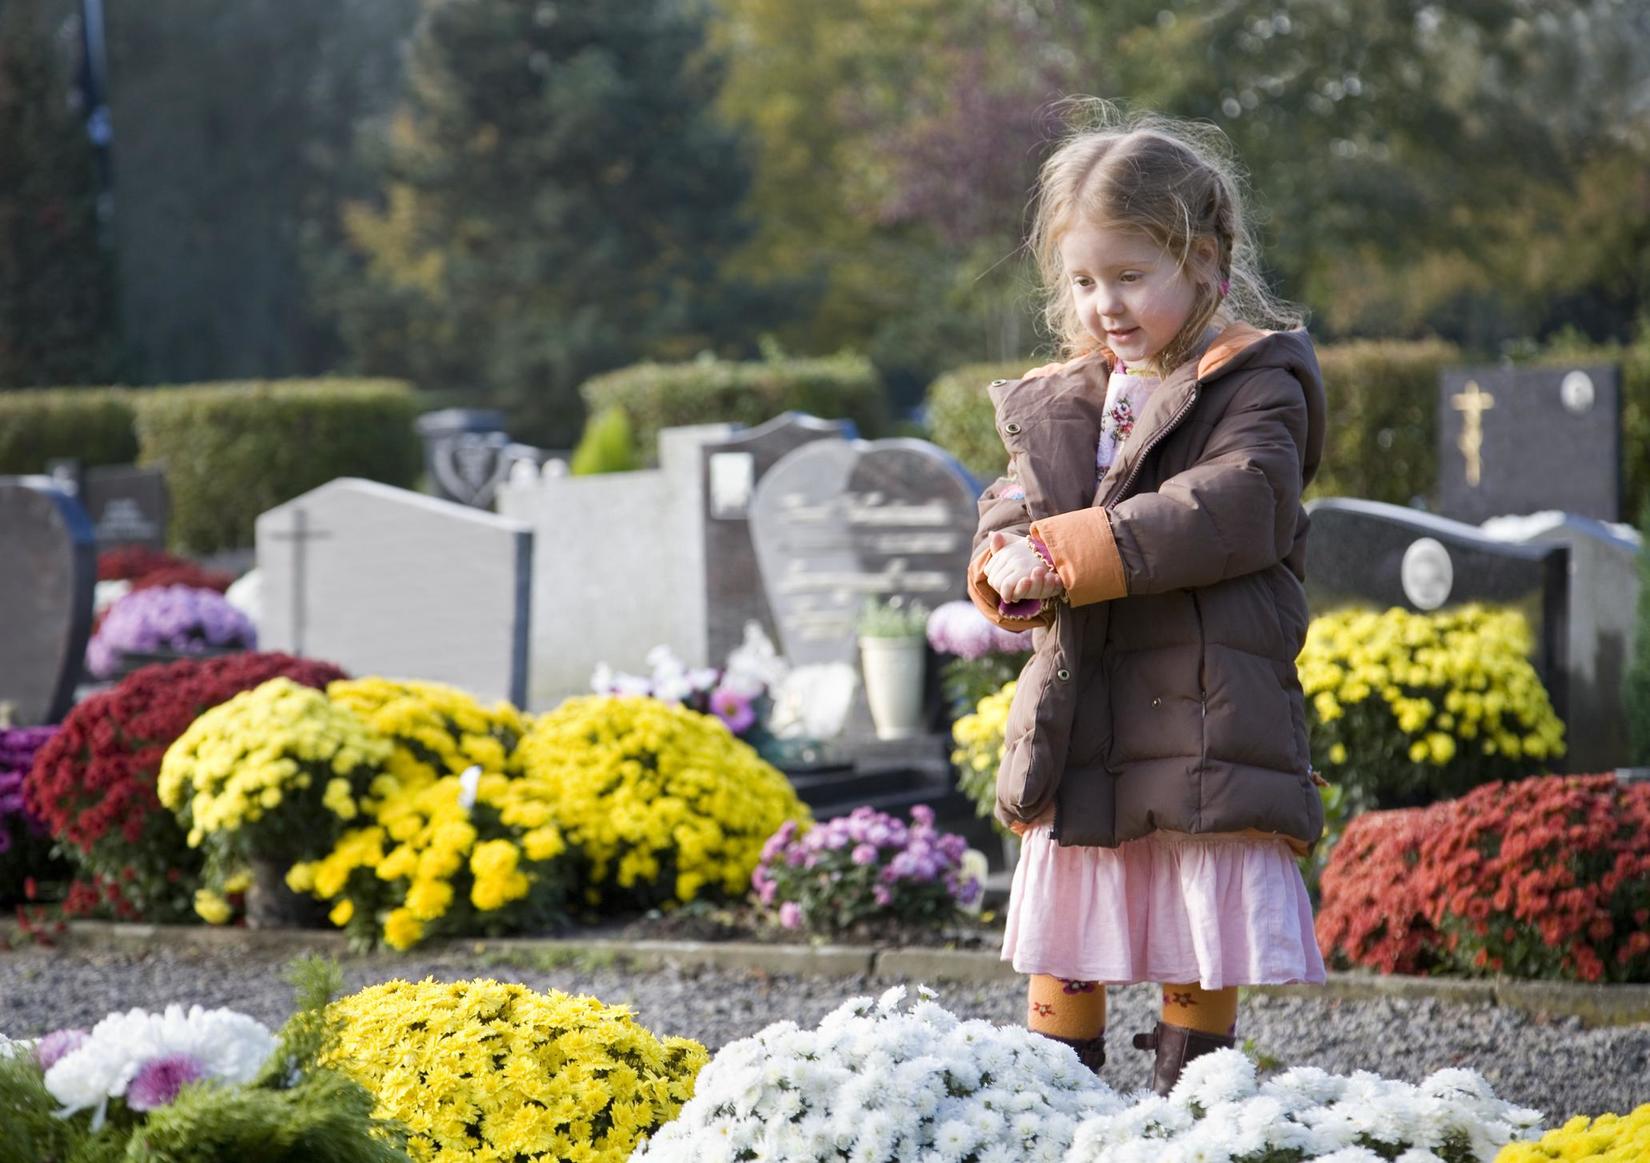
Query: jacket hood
[(1243, 348)]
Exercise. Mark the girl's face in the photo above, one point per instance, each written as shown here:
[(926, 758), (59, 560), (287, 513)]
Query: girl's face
[(1130, 294)]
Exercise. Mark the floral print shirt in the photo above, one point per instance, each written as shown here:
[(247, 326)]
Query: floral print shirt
[(1126, 396)]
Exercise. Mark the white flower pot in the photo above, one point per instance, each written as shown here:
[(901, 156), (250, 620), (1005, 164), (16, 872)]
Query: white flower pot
[(893, 669)]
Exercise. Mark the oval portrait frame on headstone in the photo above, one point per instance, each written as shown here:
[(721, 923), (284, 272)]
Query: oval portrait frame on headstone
[(1427, 573)]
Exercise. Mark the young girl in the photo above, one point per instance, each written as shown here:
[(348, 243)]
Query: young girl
[(1155, 759)]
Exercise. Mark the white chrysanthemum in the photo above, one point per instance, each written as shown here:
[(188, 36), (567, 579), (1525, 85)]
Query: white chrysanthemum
[(1222, 1076), (230, 1047)]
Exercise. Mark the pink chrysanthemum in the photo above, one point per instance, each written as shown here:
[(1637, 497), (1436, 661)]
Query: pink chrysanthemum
[(56, 1044), (733, 708)]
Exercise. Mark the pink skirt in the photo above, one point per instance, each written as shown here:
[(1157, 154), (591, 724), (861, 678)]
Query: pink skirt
[(1168, 907)]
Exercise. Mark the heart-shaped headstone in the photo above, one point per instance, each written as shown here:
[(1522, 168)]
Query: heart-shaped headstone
[(837, 522), (47, 570)]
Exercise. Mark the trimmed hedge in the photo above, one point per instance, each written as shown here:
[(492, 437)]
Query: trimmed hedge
[(1382, 417), (1382, 443), (234, 450), (706, 391), (960, 418), (93, 425)]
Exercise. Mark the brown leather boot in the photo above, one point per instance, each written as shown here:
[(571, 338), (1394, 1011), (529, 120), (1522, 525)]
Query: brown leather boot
[(1176, 1046), (1091, 1052)]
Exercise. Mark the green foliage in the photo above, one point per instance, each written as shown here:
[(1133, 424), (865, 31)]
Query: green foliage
[(555, 199), (33, 1132), (607, 445), (960, 417), (1382, 443), (93, 425), (892, 618), (705, 391), (57, 316), (232, 451)]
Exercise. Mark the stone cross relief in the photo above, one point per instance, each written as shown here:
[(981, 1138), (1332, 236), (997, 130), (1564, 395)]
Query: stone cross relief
[(300, 536), (1472, 404)]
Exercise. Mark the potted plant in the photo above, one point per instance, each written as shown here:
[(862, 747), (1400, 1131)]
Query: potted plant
[(893, 647)]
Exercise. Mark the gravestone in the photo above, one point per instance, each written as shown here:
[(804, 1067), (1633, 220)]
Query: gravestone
[(1365, 553), (837, 522), (731, 470), (1523, 440), (383, 581), (48, 564), (128, 505), (621, 565), (1604, 589)]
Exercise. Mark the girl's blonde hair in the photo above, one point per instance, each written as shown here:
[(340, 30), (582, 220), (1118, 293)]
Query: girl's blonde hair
[(1174, 181)]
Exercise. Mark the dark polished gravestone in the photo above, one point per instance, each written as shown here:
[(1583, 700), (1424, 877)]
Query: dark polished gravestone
[(730, 471), (48, 565), (1524, 440), (468, 455), (1365, 553), (837, 522), (128, 505)]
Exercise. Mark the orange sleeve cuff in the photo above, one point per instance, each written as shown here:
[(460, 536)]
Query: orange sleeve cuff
[(1085, 555)]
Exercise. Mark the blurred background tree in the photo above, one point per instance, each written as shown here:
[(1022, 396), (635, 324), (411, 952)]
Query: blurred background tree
[(57, 303), (556, 199)]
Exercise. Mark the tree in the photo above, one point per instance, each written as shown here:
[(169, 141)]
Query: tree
[(557, 199), (57, 303)]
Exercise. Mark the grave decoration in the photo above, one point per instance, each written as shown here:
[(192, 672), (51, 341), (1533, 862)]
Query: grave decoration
[(485, 1070), (94, 781), (269, 778), (658, 804), (1405, 708)]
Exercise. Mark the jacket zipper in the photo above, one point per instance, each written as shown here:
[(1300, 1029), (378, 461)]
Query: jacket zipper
[(1157, 438)]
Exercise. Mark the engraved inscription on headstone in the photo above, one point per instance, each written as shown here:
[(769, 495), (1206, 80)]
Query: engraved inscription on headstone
[(1513, 441), (47, 571), (127, 505), (836, 523), (732, 469)]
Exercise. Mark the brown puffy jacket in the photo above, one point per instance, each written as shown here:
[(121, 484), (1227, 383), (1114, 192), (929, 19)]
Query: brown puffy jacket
[(1162, 692)]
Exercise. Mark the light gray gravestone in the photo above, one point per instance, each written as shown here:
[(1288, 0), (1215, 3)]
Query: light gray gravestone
[(837, 522), (1524, 440), (383, 581), (1604, 588), (621, 565), (48, 564), (1365, 553)]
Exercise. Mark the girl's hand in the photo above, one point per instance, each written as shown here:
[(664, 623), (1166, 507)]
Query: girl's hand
[(1016, 571)]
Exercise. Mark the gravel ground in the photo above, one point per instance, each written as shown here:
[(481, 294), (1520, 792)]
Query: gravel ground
[(1556, 1066)]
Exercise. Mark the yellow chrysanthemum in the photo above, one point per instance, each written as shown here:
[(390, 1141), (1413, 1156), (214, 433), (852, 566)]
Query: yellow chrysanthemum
[(479, 1070), (1607, 1139)]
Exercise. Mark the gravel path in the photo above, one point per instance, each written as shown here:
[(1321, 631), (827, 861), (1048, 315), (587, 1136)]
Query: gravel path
[(1555, 1066)]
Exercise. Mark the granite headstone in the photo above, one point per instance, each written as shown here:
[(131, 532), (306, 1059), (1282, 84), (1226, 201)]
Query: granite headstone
[(1604, 589), (47, 571), (731, 470), (837, 522), (128, 505), (385, 581), (1365, 553), (1523, 440)]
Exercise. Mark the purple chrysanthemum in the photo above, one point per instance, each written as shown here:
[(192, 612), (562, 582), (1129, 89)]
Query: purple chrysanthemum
[(177, 618), (55, 1045), (159, 1080)]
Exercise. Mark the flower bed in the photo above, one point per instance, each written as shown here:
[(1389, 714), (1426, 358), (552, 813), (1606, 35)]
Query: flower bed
[(435, 729), (1407, 708), (94, 782), (658, 803), (486, 1071), (25, 844), (1547, 878)]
